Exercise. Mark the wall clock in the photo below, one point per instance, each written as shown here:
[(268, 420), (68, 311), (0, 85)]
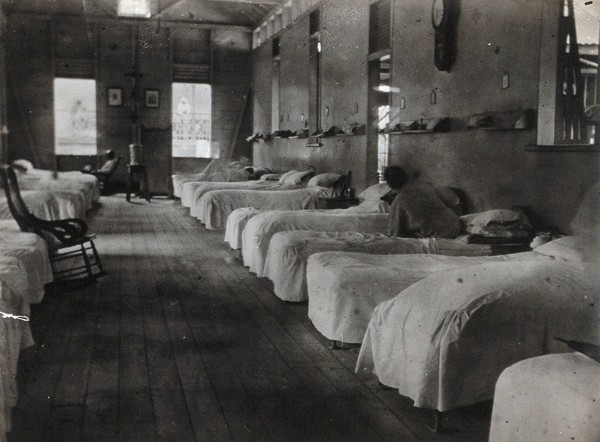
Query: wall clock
[(444, 18)]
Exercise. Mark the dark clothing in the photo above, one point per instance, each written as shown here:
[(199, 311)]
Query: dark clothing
[(423, 211)]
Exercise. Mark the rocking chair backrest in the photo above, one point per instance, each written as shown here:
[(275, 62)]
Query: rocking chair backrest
[(25, 219)]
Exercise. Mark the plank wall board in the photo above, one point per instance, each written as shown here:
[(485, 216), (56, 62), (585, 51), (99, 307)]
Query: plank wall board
[(180, 342)]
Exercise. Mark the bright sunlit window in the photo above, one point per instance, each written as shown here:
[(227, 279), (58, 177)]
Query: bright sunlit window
[(74, 116), (134, 8), (192, 121)]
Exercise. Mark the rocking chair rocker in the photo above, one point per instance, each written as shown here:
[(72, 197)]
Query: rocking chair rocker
[(67, 239)]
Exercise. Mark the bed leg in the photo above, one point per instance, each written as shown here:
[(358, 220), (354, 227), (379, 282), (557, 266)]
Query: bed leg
[(438, 424)]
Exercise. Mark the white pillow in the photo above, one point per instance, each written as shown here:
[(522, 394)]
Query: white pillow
[(324, 180), (23, 165), (298, 177), (568, 248), (270, 177), (373, 206), (374, 193), (496, 216), (284, 176)]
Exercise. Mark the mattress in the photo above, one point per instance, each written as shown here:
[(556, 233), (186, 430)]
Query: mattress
[(194, 190), (215, 206), (288, 252), (444, 341), (49, 205), (261, 228)]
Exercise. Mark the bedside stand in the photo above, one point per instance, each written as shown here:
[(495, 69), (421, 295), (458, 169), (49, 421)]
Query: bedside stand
[(337, 203)]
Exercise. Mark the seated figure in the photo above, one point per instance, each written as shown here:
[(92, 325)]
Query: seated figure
[(111, 161), (421, 210)]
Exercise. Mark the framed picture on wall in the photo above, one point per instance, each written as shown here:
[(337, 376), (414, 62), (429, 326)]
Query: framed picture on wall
[(115, 96), (152, 98)]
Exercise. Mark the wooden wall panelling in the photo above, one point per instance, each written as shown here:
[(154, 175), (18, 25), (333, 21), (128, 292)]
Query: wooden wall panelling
[(261, 88), (232, 79), (493, 168), (115, 62), (30, 92), (294, 76)]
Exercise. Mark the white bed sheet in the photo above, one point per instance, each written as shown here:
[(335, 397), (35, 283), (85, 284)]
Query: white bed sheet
[(14, 334), (49, 205), (261, 228), (444, 341), (90, 182), (32, 182), (552, 397), (215, 206), (288, 253), (31, 250), (345, 287), (194, 190), (236, 223)]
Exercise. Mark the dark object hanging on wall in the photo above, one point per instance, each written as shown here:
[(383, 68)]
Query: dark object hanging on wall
[(444, 18)]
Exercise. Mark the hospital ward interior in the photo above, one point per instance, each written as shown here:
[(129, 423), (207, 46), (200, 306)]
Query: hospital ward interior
[(299, 220)]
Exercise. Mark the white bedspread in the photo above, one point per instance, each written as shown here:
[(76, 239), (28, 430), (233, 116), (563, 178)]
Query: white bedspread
[(344, 287), (194, 190), (288, 252), (90, 182), (236, 223), (261, 228), (215, 206), (553, 397), (32, 252), (444, 341), (49, 205), (34, 182), (14, 334)]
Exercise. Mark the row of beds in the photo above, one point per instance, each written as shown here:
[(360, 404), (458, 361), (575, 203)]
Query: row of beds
[(440, 320), (25, 267)]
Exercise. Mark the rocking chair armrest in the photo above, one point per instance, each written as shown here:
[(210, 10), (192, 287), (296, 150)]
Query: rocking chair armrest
[(65, 230)]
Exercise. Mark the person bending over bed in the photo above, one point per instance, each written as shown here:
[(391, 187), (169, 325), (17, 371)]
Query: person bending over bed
[(421, 209)]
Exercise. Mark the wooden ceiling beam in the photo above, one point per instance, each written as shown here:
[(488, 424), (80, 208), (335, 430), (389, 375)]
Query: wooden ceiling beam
[(258, 2)]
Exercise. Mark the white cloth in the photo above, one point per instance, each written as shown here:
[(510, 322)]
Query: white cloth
[(344, 288), (14, 334), (49, 205), (236, 223), (47, 183), (216, 170), (288, 252), (553, 397), (215, 206), (91, 183), (194, 190), (444, 341), (32, 252), (261, 228)]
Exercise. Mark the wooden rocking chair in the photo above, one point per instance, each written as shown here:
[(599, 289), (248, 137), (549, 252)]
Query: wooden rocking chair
[(67, 239)]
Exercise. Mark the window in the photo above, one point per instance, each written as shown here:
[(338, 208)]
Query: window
[(568, 80), (134, 8), (75, 116), (314, 87), (192, 121)]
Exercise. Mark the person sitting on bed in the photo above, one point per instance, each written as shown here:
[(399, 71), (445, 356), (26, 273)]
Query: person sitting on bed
[(420, 209), (110, 163)]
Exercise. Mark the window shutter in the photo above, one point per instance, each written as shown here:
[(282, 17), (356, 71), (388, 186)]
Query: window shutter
[(74, 68), (380, 22), (191, 73)]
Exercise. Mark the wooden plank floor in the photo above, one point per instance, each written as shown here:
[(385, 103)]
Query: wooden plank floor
[(180, 342)]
